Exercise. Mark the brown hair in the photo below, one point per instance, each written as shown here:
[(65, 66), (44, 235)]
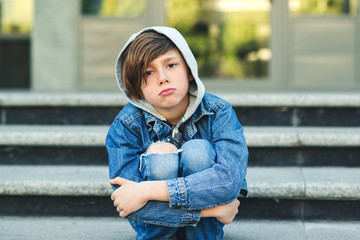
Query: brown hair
[(137, 56)]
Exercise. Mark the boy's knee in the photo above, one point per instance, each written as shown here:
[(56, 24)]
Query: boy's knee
[(198, 146), (197, 155), (162, 147), (160, 162)]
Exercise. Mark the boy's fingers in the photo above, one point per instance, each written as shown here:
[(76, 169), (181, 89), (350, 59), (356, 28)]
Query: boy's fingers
[(122, 213), (113, 180), (117, 180)]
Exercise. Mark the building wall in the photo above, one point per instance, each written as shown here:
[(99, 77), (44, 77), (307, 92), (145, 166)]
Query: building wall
[(70, 51)]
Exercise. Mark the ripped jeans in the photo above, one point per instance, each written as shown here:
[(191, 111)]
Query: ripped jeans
[(194, 156)]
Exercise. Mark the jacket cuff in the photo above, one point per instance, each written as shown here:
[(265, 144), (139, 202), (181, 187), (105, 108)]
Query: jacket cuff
[(191, 218), (177, 193)]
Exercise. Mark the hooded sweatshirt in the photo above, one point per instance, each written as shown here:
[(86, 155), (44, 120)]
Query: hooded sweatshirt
[(196, 90)]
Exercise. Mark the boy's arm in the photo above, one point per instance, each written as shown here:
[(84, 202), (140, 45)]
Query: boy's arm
[(223, 213), (221, 183), (132, 196), (124, 161)]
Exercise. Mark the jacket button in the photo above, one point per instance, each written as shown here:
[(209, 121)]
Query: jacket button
[(178, 206), (192, 221)]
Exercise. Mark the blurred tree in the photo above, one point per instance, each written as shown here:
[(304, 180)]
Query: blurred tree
[(222, 40)]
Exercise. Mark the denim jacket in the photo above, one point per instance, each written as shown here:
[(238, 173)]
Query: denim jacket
[(134, 130)]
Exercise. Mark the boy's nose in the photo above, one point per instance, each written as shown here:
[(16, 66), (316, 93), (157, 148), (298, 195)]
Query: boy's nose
[(164, 81), (162, 77)]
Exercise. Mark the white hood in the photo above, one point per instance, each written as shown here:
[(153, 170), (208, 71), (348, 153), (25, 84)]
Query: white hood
[(196, 90)]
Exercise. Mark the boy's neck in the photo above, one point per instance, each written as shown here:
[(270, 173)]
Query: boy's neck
[(174, 115)]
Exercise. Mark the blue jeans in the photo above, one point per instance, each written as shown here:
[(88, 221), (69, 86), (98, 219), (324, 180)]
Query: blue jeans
[(194, 156)]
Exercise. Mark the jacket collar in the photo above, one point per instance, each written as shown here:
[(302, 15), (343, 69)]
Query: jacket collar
[(199, 112)]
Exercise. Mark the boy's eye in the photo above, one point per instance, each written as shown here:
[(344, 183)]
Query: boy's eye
[(149, 72), (171, 65)]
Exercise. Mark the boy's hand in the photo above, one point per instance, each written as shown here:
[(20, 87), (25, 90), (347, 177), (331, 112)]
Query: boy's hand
[(228, 212), (128, 197), (223, 213)]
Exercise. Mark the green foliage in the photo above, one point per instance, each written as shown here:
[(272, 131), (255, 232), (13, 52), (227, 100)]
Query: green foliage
[(221, 41), (323, 7)]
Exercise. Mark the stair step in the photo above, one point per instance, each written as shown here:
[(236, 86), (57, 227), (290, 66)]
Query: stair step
[(55, 180), (53, 135), (268, 146), (259, 156), (295, 230), (315, 99), (28, 228), (274, 193), (264, 182), (302, 136), (255, 136), (253, 109)]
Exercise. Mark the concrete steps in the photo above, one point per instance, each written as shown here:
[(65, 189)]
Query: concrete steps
[(264, 182), (304, 166), (255, 136), (59, 228), (78, 184), (268, 146), (253, 109)]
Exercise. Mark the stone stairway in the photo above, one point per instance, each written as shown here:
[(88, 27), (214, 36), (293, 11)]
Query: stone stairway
[(304, 166)]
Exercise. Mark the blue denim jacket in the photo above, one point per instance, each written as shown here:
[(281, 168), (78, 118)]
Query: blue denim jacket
[(134, 130)]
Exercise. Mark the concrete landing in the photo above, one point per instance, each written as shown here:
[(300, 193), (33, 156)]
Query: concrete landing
[(116, 228)]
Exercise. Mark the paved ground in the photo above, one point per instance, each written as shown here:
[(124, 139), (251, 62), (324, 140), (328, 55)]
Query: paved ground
[(30, 228)]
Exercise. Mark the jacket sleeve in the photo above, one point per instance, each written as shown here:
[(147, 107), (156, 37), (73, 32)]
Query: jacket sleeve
[(124, 150), (221, 183)]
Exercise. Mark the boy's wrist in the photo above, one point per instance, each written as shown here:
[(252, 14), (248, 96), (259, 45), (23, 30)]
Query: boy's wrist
[(144, 191), (155, 190), (209, 212)]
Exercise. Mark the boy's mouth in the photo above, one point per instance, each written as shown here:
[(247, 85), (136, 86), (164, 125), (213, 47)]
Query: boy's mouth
[(167, 91)]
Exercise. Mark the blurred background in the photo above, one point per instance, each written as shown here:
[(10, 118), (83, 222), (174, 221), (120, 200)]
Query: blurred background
[(240, 45), (290, 69)]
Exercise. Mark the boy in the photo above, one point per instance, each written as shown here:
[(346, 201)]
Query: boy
[(177, 153)]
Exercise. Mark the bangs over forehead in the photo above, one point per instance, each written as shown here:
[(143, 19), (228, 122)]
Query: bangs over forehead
[(137, 56)]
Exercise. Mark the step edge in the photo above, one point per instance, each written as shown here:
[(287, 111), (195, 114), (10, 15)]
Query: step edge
[(253, 99), (296, 183), (255, 136)]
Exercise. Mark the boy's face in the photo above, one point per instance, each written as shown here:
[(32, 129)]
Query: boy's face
[(167, 83)]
